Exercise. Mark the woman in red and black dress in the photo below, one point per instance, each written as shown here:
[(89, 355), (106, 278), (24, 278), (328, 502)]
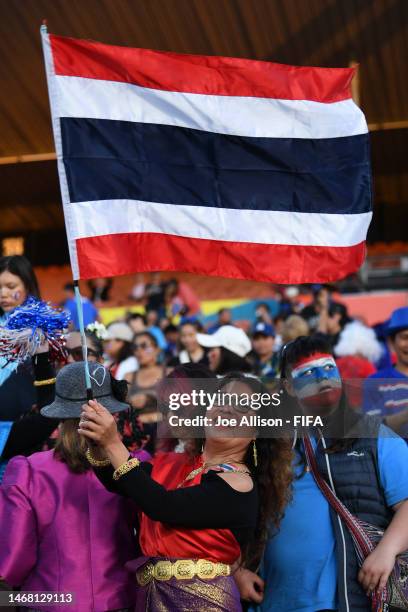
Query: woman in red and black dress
[(198, 514)]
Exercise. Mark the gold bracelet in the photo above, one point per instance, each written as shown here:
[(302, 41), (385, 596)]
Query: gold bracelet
[(96, 462), (125, 468), (47, 381)]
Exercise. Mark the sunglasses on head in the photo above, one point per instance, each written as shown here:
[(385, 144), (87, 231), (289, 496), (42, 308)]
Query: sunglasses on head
[(76, 353)]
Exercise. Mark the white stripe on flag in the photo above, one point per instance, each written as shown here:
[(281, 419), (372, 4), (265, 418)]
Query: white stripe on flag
[(105, 217), (241, 116)]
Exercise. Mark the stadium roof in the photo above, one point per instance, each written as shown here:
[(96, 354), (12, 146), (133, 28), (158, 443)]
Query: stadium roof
[(303, 32)]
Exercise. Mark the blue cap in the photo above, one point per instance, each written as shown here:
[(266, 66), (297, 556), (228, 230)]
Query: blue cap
[(263, 328), (398, 321)]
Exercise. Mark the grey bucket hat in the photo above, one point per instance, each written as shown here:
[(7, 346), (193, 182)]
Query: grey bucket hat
[(70, 391)]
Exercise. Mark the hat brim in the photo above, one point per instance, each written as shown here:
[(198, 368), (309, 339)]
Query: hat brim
[(262, 333), (63, 409), (208, 340), (391, 331), (117, 337)]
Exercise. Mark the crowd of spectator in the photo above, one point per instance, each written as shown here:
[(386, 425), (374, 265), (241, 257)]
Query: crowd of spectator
[(167, 337), (142, 347), (176, 335)]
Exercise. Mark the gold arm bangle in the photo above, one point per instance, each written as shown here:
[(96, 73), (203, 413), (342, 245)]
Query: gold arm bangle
[(96, 462), (125, 468), (47, 381)]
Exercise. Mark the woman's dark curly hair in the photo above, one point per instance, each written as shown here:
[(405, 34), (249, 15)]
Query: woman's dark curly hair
[(273, 473), (128, 422)]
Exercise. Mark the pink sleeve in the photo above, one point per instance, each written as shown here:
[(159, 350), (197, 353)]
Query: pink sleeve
[(18, 530)]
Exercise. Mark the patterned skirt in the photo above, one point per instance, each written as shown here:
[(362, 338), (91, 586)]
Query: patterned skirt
[(218, 594)]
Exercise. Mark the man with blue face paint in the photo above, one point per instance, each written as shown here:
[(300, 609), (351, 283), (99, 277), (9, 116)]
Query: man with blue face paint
[(316, 383), (310, 565)]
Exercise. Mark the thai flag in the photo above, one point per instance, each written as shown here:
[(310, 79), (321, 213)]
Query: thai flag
[(213, 165)]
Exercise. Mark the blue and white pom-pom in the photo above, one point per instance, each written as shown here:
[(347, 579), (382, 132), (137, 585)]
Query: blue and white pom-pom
[(29, 326)]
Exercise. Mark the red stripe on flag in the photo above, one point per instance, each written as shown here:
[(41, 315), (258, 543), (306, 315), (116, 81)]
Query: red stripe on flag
[(117, 254), (202, 74)]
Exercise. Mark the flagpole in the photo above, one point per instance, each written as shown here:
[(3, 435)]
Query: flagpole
[(80, 312), (50, 74)]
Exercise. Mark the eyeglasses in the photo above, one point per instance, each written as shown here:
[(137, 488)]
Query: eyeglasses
[(77, 355), (143, 346)]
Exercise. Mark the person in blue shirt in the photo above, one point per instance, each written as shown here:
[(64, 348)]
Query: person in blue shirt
[(386, 391), (17, 394), (90, 312), (310, 564)]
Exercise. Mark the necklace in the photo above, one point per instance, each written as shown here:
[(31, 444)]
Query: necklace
[(225, 466)]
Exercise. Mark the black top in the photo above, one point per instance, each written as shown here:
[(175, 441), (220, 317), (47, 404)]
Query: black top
[(213, 504), (17, 394), (33, 429)]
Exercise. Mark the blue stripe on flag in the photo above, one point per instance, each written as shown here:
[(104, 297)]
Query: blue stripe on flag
[(109, 160)]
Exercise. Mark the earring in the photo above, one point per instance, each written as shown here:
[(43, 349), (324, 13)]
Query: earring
[(294, 438), (255, 453)]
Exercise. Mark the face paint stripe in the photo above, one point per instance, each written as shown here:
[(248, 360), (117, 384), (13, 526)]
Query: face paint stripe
[(306, 381), (321, 386), (311, 357)]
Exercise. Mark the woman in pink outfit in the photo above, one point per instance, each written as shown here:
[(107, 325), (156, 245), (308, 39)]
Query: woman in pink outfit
[(60, 529)]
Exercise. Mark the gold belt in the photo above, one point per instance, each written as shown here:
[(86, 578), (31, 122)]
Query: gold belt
[(183, 569)]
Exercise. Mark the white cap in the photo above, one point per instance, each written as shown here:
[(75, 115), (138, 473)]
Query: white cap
[(229, 337), (120, 331)]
